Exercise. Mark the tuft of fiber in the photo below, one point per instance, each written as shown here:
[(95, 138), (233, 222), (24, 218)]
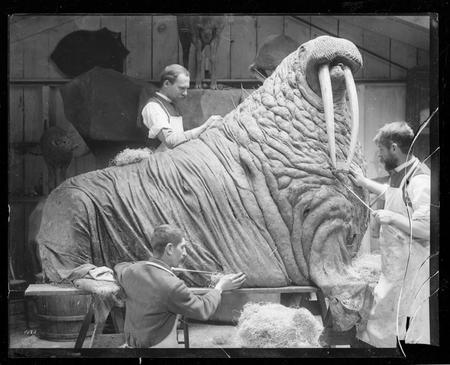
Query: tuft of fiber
[(264, 325), (367, 267), (129, 156)]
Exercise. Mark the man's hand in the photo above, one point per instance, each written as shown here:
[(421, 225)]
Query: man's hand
[(212, 121), (357, 177), (231, 281), (384, 216)]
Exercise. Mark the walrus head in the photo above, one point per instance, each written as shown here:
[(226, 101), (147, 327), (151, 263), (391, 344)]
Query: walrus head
[(300, 128)]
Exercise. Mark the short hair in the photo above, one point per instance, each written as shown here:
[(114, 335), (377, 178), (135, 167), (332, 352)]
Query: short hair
[(171, 73), (399, 133), (164, 234)]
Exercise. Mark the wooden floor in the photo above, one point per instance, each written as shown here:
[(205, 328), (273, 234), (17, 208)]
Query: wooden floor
[(200, 336)]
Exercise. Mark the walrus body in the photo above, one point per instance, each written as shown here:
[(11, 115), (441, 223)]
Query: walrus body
[(257, 194)]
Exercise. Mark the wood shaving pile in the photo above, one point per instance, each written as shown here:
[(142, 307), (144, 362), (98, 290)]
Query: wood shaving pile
[(263, 325), (129, 156)]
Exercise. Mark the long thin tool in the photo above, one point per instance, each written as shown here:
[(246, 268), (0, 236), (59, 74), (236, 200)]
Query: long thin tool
[(196, 271), (357, 197)]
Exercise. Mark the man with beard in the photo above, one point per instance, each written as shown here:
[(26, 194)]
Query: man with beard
[(400, 308), (161, 115), (155, 296)]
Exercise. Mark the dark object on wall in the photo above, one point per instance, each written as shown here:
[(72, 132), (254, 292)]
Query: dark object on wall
[(201, 31), (102, 104), (82, 50), (57, 150), (274, 49)]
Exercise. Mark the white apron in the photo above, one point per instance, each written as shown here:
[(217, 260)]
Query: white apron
[(381, 330), (177, 125)]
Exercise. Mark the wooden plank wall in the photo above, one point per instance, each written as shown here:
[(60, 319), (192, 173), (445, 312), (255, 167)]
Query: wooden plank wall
[(153, 43)]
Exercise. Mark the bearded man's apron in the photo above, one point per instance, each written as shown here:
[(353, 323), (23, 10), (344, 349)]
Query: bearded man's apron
[(399, 253)]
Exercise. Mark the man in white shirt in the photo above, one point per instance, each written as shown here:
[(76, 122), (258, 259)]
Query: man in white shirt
[(161, 116), (401, 295)]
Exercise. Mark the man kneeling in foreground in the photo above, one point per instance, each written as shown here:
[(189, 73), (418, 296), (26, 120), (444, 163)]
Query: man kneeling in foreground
[(155, 295)]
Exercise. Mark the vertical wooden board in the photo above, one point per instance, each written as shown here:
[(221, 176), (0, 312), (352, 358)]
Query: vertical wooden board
[(115, 23), (35, 57), (327, 23), (139, 43), (350, 32), (16, 237), (165, 43), (26, 261), (15, 113), (33, 124), (266, 26), (404, 55), (223, 51), (355, 35), (423, 57), (16, 60), (376, 43), (87, 22), (375, 67), (383, 103), (15, 160), (298, 31), (33, 129), (54, 36), (243, 46)]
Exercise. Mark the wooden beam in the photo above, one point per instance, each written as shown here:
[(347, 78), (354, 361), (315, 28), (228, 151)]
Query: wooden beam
[(32, 25), (415, 21), (391, 27)]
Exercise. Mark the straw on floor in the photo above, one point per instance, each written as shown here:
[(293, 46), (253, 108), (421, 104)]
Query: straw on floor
[(263, 325)]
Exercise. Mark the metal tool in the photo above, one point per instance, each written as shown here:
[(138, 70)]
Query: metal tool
[(357, 197), (195, 271)]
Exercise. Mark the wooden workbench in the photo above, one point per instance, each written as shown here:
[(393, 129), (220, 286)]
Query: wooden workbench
[(288, 296)]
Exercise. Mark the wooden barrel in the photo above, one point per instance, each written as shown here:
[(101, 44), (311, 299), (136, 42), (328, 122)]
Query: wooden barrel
[(60, 316)]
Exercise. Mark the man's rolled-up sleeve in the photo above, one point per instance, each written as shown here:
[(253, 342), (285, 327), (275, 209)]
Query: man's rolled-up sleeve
[(201, 307), (419, 194), (155, 119)]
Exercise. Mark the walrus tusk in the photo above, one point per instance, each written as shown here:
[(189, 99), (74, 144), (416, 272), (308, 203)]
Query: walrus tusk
[(353, 99), (328, 109)]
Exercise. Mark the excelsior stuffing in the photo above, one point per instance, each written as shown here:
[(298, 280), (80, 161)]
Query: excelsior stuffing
[(367, 267), (274, 325), (129, 156)]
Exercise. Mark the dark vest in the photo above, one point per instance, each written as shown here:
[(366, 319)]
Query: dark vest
[(169, 108)]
